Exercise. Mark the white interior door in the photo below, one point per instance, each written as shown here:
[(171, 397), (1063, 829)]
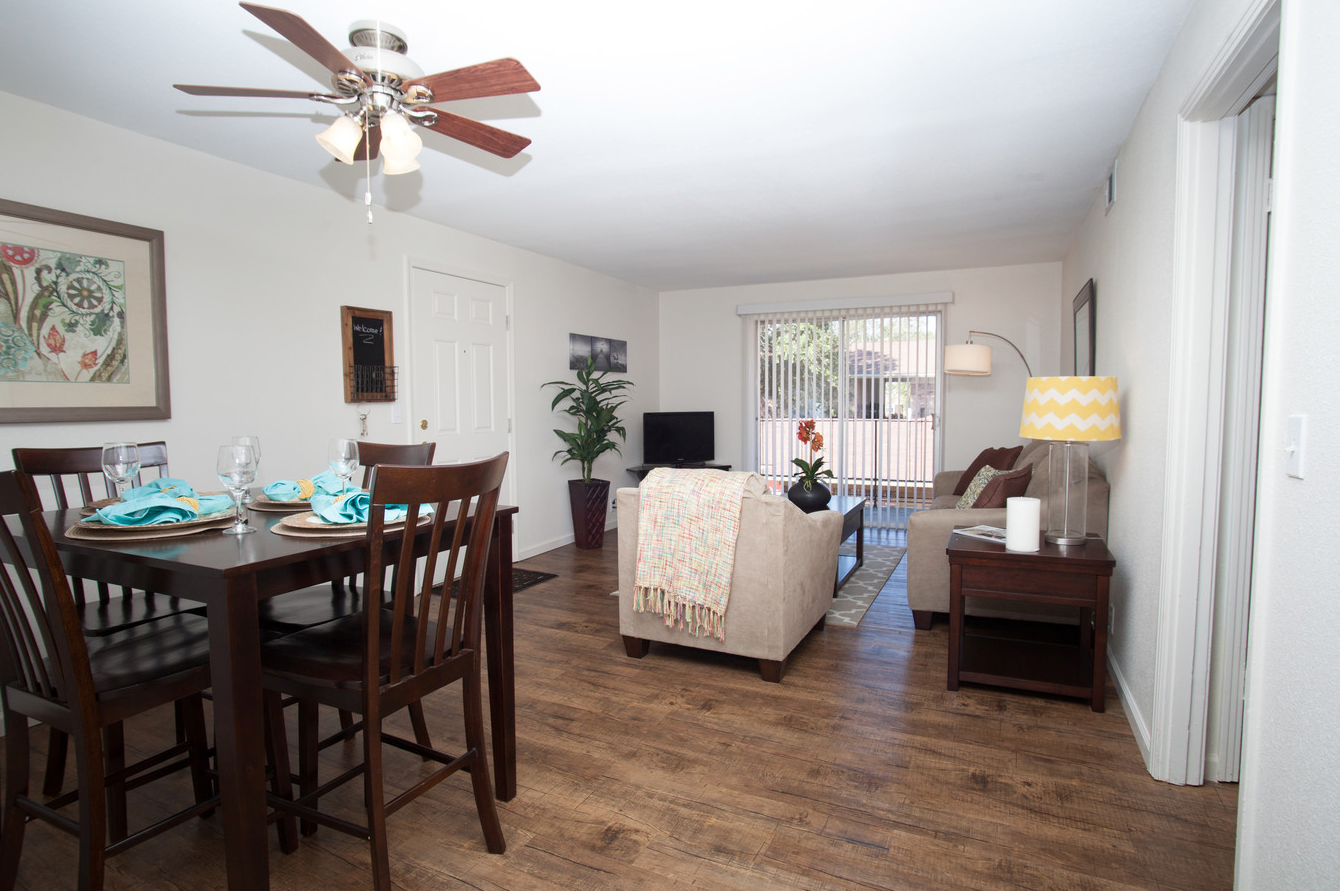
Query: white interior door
[(461, 366)]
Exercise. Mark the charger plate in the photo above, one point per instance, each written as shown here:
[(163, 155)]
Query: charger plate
[(261, 501), (308, 523), (103, 532)]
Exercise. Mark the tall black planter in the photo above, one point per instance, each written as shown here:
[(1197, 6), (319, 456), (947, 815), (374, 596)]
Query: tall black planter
[(590, 506)]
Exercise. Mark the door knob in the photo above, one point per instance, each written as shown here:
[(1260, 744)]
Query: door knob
[(423, 425)]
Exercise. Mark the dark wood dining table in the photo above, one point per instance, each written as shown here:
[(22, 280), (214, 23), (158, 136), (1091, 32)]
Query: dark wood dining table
[(230, 575)]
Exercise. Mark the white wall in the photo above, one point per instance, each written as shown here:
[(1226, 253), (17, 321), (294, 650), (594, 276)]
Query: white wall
[(704, 357), (1290, 786), (257, 268), (1128, 251)]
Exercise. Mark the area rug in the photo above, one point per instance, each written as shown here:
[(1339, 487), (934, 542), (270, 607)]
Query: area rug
[(855, 597), (525, 578)]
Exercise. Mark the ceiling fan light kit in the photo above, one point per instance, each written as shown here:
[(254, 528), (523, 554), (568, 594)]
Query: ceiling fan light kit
[(382, 93), (341, 138)]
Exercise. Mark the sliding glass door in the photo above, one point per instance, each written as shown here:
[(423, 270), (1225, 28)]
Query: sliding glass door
[(869, 378)]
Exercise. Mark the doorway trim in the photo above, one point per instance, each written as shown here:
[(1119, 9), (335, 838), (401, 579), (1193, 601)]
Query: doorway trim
[(1202, 274)]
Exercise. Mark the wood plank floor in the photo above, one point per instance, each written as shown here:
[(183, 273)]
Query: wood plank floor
[(686, 770)]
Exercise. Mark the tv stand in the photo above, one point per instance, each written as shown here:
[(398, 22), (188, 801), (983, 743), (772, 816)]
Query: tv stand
[(642, 470)]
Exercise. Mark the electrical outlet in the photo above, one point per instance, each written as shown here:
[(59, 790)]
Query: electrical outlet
[(614, 503)]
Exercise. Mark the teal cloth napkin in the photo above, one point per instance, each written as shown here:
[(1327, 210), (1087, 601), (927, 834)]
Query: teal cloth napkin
[(325, 483), (156, 510), (353, 508), (163, 486)]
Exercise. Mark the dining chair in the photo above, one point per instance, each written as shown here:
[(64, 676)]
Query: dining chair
[(403, 644), (306, 607), (104, 611), (87, 687)]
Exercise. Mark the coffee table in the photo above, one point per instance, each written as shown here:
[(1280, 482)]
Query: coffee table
[(1075, 576), (852, 508)]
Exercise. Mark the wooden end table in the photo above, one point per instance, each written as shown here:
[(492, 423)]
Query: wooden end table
[(1075, 576)]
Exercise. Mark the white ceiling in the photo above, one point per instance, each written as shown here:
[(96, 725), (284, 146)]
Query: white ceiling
[(675, 145)]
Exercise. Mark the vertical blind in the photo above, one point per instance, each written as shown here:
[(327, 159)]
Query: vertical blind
[(868, 378)]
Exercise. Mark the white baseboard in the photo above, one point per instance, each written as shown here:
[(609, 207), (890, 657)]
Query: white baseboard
[(1139, 726)]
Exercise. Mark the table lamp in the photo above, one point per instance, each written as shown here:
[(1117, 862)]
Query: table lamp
[(1071, 412)]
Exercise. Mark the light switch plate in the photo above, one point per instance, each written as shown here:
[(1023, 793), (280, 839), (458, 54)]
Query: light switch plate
[(396, 417), (1293, 464)]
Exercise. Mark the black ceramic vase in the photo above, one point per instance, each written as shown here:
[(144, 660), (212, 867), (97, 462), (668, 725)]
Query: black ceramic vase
[(815, 499)]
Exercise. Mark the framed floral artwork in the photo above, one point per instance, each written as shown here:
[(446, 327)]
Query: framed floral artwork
[(83, 318)]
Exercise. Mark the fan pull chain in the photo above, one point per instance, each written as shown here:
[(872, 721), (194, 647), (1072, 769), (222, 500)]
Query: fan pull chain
[(367, 196)]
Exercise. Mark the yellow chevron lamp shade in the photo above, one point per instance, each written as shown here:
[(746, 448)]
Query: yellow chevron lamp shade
[(1071, 409)]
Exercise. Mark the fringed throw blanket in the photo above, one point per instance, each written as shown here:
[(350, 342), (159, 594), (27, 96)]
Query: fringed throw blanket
[(688, 521)]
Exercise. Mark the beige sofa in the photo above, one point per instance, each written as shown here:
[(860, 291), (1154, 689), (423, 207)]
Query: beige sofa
[(781, 584), (928, 533)]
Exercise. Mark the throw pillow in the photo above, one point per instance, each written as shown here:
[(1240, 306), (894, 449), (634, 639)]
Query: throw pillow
[(1002, 459), (1005, 485), (970, 494)]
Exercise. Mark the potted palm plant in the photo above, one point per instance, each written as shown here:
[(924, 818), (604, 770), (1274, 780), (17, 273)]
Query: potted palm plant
[(594, 400)]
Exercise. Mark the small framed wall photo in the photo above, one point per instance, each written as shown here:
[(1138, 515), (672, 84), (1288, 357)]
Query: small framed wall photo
[(1085, 329)]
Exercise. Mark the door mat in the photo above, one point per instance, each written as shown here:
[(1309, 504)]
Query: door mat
[(525, 578)]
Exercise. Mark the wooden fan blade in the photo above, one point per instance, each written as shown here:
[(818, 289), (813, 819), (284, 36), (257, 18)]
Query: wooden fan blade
[(296, 31), (490, 139), (500, 77), (370, 145), (197, 90)]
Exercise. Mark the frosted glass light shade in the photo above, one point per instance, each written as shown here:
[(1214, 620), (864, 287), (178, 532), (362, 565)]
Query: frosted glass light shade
[(341, 138), (398, 137), (394, 165), (968, 358)]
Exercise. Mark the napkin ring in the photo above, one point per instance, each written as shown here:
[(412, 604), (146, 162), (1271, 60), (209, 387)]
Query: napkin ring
[(188, 500), (306, 488)]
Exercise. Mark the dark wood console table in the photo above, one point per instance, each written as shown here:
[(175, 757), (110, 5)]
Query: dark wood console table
[(1076, 576), (642, 470)]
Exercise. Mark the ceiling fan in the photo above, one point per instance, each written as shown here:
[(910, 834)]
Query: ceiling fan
[(381, 92)]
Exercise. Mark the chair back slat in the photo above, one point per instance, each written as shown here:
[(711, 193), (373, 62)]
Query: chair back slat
[(81, 466), (370, 454), (45, 649), (474, 485)]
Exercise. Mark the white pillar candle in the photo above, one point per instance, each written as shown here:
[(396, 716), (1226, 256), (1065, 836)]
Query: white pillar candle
[(1023, 520)]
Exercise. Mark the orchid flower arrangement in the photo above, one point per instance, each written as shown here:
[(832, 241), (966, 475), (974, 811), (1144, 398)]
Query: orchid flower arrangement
[(811, 471)]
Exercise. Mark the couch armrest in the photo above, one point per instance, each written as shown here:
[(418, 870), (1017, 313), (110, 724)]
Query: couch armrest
[(928, 533), (944, 483)]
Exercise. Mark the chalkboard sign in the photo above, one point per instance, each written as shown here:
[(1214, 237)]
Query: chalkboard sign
[(369, 358)]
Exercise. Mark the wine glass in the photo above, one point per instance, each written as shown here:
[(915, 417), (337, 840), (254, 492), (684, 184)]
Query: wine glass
[(120, 461), (343, 459), (255, 443), (237, 471)]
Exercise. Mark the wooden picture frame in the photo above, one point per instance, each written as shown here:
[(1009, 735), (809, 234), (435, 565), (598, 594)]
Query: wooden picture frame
[(369, 354), (1086, 329), (83, 319)]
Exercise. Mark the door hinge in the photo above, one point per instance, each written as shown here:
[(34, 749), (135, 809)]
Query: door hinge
[(1270, 195), (507, 321), (509, 425)]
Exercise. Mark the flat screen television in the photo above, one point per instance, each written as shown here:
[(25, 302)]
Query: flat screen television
[(678, 437)]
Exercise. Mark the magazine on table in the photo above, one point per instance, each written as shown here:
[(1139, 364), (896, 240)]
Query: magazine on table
[(986, 533)]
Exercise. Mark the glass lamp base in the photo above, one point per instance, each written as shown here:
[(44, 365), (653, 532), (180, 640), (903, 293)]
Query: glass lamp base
[(1067, 493)]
